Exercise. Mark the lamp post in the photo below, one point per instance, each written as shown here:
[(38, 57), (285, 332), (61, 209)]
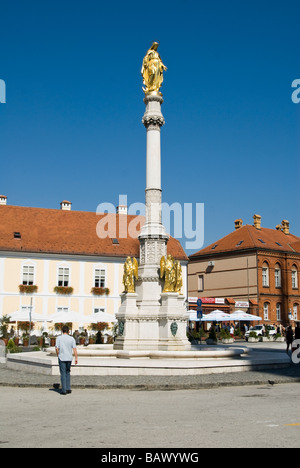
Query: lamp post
[(30, 315)]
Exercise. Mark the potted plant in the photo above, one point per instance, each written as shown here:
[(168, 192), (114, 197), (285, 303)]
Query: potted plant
[(226, 337), (279, 338), (12, 348), (64, 290), (25, 340), (58, 326), (92, 339), (212, 338), (16, 340), (28, 289), (98, 328), (25, 327), (51, 336), (266, 336), (100, 291), (4, 322), (253, 337), (82, 339)]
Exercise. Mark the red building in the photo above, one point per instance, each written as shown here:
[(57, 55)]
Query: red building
[(253, 265)]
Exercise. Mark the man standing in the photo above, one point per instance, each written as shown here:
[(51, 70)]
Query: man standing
[(65, 346)]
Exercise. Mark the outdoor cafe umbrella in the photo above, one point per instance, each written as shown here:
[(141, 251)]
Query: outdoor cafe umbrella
[(216, 316), (102, 317), (241, 316), (193, 317), (23, 316), (69, 317)]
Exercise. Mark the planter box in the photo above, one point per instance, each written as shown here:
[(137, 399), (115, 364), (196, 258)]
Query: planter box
[(209, 341), (252, 340), (264, 339), (228, 340), (281, 339)]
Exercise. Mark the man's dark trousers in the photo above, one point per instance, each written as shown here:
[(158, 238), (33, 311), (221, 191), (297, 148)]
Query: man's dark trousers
[(65, 375)]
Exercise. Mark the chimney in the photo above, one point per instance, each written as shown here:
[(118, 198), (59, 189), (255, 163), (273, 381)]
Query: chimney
[(122, 209), (66, 205), (257, 221), (238, 223), (279, 227), (285, 226), (3, 200)]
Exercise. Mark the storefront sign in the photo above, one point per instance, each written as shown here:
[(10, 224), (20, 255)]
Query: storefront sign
[(207, 300), (244, 304)]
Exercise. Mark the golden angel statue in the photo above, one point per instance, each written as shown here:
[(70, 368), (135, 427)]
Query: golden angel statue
[(179, 280), (152, 70), (131, 273), (168, 271)]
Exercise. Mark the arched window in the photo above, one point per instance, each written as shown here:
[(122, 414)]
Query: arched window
[(295, 311), (294, 277), (265, 275), (277, 275), (266, 311)]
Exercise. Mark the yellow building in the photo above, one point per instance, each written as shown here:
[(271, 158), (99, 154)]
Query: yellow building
[(56, 259)]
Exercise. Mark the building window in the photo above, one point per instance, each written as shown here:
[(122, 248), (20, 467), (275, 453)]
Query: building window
[(294, 277), (62, 310), (278, 312), (99, 311), (28, 275), (27, 310), (295, 311), (100, 278), (265, 275), (201, 283), (277, 276), (266, 311), (63, 277)]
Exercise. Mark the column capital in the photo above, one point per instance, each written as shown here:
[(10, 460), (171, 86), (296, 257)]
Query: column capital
[(153, 118)]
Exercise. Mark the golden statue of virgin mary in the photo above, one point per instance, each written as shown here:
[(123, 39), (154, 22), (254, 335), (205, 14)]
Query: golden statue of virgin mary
[(152, 71)]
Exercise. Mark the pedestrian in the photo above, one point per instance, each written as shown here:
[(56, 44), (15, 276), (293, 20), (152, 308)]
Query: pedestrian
[(232, 331), (289, 338), (76, 336), (86, 335), (297, 331), (65, 347)]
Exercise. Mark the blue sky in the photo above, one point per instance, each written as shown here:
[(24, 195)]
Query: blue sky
[(71, 127)]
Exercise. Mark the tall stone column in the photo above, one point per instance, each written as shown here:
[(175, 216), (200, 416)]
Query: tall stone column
[(153, 237), (149, 319)]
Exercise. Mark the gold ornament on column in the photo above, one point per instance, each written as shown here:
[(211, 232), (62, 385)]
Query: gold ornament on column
[(152, 71), (171, 271), (179, 280), (131, 274)]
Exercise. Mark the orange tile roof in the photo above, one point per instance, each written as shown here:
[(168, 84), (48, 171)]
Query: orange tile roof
[(66, 232), (248, 237)]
